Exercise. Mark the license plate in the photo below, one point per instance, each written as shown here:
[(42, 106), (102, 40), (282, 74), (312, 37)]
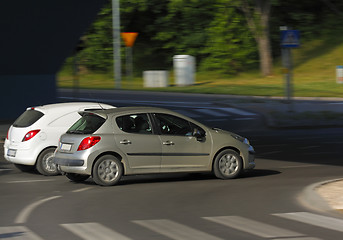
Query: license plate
[(11, 152), (66, 147)]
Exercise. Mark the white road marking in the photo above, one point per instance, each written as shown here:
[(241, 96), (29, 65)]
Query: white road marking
[(237, 111), (215, 120), (255, 228), (243, 119), (192, 105), (272, 145), (188, 113), (155, 103), (309, 147), (92, 231), (175, 230), (314, 219), (269, 153), (211, 112), (6, 169), (30, 181), (18, 232), (305, 138), (137, 101), (317, 153), (82, 189), (302, 166), (25, 213)]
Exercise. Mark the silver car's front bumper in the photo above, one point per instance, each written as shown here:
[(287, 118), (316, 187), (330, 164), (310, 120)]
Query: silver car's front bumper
[(251, 159)]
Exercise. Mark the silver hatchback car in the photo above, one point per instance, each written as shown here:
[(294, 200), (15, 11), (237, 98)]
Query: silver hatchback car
[(107, 144)]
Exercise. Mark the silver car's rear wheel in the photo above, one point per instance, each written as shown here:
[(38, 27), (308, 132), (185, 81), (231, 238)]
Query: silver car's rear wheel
[(107, 170), (45, 164), (228, 164)]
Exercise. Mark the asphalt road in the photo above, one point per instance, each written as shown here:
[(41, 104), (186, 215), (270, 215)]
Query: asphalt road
[(262, 204)]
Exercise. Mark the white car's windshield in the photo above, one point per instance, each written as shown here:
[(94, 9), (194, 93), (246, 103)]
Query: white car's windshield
[(28, 118)]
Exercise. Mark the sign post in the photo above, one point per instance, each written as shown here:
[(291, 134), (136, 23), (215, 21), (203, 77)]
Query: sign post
[(129, 39), (289, 39), (116, 43)]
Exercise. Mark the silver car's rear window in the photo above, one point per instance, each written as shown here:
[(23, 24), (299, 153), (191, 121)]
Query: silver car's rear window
[(28, 118), (87, 124)]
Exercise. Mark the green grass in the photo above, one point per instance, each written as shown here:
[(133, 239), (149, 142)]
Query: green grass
[(314, 75)]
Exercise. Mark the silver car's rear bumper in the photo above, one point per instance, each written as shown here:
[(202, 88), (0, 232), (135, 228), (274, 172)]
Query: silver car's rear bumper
[(68, 162)]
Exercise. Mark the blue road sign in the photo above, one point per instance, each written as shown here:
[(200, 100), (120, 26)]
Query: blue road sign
[(290, 38)]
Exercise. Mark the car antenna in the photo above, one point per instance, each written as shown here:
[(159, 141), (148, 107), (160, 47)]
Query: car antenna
[(101, 106), (91, 96)]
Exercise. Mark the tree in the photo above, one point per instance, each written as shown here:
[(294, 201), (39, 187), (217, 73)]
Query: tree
[(230, 47), (211, 30), (257, 16), (97, 54), (182, 29)]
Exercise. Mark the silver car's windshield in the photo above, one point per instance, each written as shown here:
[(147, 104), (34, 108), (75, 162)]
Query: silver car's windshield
[(87, 124)]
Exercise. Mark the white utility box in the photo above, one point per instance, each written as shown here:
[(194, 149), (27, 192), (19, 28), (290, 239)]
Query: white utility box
[(184, 70), (339, 74), (154, 79)]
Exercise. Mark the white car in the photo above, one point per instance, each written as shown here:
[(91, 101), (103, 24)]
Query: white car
[(33, 137)]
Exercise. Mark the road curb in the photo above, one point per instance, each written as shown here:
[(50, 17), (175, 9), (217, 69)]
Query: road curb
[(312, 199)]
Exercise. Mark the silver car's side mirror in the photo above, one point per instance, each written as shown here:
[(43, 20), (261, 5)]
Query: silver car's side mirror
[(198, 135)]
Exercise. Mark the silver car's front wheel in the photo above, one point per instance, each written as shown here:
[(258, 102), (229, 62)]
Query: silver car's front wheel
[(107, 170), (228, 164)]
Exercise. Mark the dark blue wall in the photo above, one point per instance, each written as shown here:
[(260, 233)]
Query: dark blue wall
[(36, 37)]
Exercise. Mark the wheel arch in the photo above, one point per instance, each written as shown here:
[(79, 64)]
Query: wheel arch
[(40, 153), (222, 149), (115, 154)]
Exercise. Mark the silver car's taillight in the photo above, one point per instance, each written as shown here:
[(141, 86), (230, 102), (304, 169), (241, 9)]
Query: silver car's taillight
[(88, 142)]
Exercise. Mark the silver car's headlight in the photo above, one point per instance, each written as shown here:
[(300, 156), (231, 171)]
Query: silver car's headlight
[(241, 139)]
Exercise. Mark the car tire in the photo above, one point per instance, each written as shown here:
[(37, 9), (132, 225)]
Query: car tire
[(107, 170), (45, 164), (77, 177), (227, 164), (24, 168)]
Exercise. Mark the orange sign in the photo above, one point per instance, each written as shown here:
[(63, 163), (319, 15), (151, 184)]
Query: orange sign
[(129, 38)]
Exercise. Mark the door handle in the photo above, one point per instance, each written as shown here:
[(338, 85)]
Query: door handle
[(125, 142), (168, 143)]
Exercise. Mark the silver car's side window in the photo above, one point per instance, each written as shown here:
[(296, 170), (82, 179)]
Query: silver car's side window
[(134, 123), (172, 125)]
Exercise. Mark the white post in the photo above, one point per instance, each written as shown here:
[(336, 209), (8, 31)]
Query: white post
[(287, 64)]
